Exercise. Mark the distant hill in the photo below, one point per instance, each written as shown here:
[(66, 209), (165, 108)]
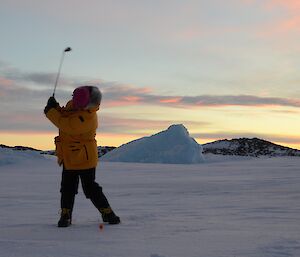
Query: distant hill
[(241, 147), (20, 148), (248, 147), (101, 149)]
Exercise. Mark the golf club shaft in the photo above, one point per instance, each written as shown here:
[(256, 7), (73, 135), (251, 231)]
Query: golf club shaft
[(58, 74)]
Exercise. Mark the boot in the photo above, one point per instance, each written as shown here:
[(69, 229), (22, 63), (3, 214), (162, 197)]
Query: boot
[(109, 216), (65, 218)]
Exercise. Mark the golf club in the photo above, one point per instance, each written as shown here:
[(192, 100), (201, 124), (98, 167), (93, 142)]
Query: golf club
[(68, 49)]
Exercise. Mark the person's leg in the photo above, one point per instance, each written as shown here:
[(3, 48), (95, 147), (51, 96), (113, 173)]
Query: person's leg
[(69, 188), (94, 192)]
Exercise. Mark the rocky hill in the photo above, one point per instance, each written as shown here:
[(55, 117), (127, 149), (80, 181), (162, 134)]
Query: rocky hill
[(19, 148), (248, 147), (101, 149)]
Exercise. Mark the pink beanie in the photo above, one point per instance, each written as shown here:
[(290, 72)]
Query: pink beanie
[(81, 97)]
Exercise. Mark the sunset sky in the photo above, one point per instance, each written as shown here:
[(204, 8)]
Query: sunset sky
[(224, 69)]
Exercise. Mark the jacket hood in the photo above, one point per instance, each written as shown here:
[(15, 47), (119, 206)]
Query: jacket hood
[(86, 97)]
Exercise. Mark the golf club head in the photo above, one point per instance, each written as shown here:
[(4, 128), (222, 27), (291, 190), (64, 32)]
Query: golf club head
[(68, 49)]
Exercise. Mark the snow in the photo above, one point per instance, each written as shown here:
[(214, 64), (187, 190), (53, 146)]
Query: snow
[(9, 156), (222, 144), (173, 145), (231, 208)]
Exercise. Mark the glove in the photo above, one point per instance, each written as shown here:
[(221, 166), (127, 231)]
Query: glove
[(52, 103)]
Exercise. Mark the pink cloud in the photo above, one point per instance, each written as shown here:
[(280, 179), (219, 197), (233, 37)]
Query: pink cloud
[(126, 125), (23, 121), (126, 100), (288, 25), (197, 101), (171, 100), (4, 82), (116, 95), (284, 27), (116, 103), (287, 21), (134, 99), (291, 5), (6, 85), (291, 21)]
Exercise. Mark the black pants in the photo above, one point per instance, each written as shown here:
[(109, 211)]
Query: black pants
[(92, 191)]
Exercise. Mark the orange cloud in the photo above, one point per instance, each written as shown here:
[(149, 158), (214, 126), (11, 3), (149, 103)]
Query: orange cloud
[(116, 103), (288, 25), (123, 125), (122, 101), (284, 26), (133, 96), (134, 99), (6, 85), (171, 100), (287, 21), (4, 82)]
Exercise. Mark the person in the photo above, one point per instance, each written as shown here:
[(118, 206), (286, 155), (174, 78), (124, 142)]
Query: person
[(76, 151)]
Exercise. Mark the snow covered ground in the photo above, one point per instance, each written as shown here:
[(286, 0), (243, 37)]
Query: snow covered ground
[(233, 208)]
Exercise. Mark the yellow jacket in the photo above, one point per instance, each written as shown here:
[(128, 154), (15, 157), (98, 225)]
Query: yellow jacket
[(76, 146)]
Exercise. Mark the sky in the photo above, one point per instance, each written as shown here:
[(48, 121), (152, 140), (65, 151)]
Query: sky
[(224, 69)]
